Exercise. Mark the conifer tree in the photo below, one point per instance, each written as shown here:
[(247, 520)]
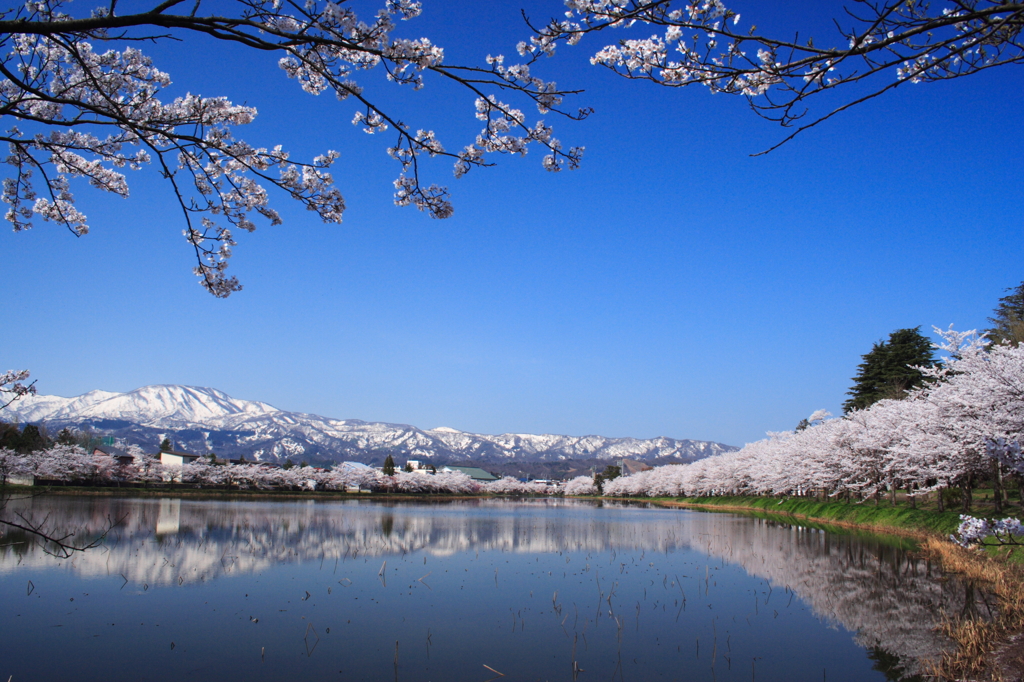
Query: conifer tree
[(66, 437), (32, 439), (888, 369), (1008, 317), (389, 466)]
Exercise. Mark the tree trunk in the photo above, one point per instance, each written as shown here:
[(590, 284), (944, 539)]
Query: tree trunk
[(965, 497), (912, 499), (892, 495), (997, 495), (942, 506)]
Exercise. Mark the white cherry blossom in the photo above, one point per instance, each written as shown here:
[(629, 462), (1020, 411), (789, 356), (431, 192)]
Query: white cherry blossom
[(89, 112)]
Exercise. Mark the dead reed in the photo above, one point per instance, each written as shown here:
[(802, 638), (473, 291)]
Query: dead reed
[(976, 654)]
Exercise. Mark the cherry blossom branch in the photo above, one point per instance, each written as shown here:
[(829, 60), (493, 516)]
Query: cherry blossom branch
[(975, 531), (12, 388), (56, 80), (916, 41)]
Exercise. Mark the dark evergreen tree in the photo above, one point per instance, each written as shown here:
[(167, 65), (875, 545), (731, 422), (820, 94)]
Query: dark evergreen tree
[(888, 369), (165, 445), (1008, 317), (66, 437), (10, 436), (610, 472), (32, 439), (389, 466)]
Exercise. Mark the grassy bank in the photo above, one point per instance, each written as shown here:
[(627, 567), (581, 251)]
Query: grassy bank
[(884, 517)]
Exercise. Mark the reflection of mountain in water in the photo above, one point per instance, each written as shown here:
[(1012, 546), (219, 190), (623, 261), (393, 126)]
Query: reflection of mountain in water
[(889, 598), (159, 538)]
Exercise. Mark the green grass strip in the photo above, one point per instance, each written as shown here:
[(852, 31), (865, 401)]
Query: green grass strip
[(864, 514)]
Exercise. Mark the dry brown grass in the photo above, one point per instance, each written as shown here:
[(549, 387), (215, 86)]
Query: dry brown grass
[(977, 654), (970, 659)]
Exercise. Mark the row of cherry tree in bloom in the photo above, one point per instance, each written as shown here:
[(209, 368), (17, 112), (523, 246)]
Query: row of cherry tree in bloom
[(73, 464), (965, 423)]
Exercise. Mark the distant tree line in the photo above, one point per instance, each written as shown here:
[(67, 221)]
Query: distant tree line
[(32, 438)]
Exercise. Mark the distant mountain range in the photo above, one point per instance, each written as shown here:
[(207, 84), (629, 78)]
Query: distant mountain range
[(205, 420)]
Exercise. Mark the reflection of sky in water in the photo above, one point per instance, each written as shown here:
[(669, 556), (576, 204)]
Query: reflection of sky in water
[(243, 588)]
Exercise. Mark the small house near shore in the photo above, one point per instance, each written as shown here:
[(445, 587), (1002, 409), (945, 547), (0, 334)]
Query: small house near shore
[(175, 458), (120, 456)]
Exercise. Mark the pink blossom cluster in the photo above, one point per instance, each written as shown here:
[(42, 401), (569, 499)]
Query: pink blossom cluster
[(703, 42), (83, 108), (12, 388), (709, 50), (581, 485), (974, 531)]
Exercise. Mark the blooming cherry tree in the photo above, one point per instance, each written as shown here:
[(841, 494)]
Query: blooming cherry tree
[(944, 433), (582, 485)]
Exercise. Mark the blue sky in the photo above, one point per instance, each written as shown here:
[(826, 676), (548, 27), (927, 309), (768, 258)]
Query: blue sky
[(674, 285)]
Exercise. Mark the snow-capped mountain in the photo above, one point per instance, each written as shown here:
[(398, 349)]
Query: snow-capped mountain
[(207, 420), (157, 406)]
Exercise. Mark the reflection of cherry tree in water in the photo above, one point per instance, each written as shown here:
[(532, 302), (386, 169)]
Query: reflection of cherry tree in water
[(976, 604), (890, 599), (891, 666)]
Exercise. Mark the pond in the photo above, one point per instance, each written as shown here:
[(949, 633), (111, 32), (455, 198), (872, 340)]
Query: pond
[(546, 589)]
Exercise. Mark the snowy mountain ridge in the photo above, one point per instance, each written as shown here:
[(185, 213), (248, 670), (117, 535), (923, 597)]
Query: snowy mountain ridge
[(207, 420), (157, 406)]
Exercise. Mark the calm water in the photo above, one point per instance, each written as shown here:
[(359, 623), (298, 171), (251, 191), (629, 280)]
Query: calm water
[(537, 590)]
